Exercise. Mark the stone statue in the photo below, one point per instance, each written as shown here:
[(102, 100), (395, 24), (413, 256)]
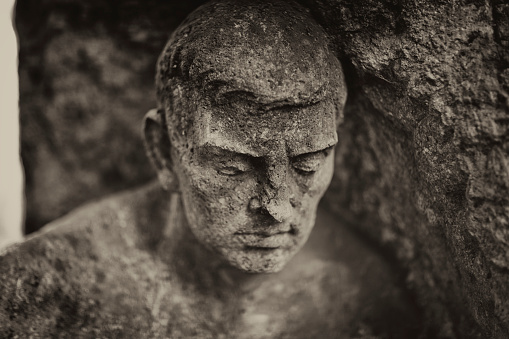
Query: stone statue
[(249, 99)]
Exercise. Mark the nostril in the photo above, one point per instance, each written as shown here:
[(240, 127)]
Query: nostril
[(293, 202)]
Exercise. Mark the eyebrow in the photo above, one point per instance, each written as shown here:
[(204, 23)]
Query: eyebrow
[(312, 151), (310, 147), (210, 149)]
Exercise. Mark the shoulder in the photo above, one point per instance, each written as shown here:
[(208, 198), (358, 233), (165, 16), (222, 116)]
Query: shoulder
[(93, 225), (65, 276)]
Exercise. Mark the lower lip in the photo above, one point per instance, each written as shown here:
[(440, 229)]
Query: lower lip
[(255, 241)]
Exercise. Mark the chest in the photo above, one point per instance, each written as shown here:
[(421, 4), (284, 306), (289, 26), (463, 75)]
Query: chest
[(318, 301)]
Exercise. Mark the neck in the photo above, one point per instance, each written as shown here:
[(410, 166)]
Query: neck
[(196, 265)]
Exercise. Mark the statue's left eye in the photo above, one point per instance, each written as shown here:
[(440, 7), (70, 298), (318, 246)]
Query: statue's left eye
[(307, 164)]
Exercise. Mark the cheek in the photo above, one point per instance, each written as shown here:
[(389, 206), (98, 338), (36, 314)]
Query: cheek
[(215, 198), (307, 203), (313, 188), (325, 178)]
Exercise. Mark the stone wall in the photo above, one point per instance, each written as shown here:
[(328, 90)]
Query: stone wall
[(423, 160), (423, 163)]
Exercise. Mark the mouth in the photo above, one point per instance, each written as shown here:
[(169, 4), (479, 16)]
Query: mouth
[(261, 234), (266, 240), (269, 231)]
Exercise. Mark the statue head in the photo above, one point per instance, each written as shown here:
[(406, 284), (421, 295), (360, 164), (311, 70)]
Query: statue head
[(249, 98)]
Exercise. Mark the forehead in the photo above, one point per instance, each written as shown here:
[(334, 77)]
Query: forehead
[(250, 130), (255, 104), (272, 66), (271, 49)]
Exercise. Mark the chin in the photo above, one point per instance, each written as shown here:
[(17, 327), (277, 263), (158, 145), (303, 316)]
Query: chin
[(274, 268), (261, 261)]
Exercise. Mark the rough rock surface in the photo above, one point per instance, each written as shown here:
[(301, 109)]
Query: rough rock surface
[(423, 158), (423, 166)]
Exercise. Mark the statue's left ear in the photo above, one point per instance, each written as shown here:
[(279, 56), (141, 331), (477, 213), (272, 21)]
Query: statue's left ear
[(158, 148)]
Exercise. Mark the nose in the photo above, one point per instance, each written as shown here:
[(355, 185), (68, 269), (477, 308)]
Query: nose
[(274, 198), (279, 207)]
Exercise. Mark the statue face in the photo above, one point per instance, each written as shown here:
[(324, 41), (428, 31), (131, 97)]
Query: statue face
[(252, 175), (252, 127)]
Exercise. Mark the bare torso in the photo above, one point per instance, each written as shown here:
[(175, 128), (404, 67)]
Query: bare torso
[(124, 267)]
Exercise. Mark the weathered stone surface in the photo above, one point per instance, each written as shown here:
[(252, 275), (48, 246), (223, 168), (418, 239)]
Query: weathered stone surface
[(422, 166), (248, 105), (242, 140), (422, 163), (110, 270)]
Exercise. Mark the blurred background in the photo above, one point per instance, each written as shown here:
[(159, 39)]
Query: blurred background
[(11, 197), (86, 80)]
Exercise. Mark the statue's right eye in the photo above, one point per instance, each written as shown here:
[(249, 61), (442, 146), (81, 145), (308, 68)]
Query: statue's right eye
[(232, 167), (230, 171)]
